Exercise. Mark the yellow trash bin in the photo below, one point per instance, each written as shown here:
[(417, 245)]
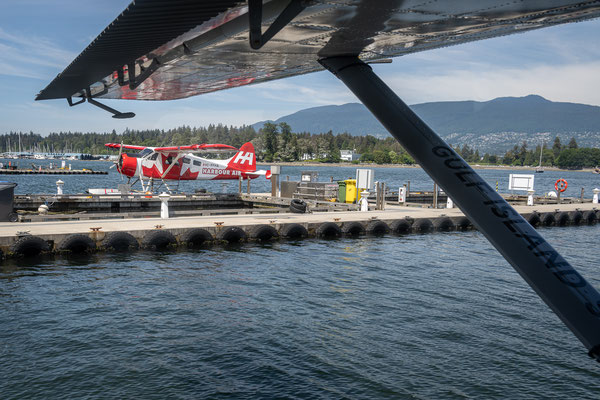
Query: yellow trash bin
[(350, 190)]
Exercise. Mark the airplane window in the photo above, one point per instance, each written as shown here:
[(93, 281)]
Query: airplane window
[(185, 160), (198, 163), (169, 160), (145, 152), (154, 156)]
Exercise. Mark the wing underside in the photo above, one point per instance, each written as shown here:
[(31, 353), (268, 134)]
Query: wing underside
[(170, 49)]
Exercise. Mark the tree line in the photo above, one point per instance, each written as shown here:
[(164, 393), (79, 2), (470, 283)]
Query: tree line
[(569, 156), (277, 142)]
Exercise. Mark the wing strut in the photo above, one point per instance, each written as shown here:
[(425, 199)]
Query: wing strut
[(257, 38), (116, 114), (565, 291)]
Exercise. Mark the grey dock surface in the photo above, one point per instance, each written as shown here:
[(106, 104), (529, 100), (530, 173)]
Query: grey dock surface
[(54, 232)]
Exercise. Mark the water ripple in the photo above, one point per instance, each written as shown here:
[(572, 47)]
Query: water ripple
[(414, 317)]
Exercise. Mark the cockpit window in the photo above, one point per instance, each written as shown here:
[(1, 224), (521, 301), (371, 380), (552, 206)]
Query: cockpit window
[(145, 152), (154, 156)]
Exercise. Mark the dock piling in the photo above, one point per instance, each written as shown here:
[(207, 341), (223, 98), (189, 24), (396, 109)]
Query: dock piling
[(59, 187), (164, 205), (530, 197)]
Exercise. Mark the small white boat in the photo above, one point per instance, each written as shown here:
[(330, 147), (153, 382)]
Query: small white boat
[(103, 191)]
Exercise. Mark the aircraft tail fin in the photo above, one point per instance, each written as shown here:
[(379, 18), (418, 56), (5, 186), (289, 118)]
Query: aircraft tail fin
[(244, 159)]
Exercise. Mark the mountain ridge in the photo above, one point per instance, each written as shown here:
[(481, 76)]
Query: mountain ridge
[(492, 125)]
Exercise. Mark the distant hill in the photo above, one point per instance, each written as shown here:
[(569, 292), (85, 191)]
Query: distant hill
[(492, 126)]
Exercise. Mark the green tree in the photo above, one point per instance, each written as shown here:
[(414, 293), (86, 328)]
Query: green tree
[(556, 147), (572, 143), (270, 137)]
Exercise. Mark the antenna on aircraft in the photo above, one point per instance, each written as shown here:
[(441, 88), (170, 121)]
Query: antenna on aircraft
[(116, 114), (88, 96)]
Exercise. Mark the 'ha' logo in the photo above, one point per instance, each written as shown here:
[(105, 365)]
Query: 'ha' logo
[(242, 157)]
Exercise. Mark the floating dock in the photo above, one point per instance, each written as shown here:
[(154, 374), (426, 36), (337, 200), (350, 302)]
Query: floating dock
[(19, 239), (51, 172)]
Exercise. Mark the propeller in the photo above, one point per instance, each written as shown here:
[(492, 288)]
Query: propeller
[(119, 162)]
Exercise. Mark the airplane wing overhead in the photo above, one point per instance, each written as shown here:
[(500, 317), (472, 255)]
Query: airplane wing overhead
[(170, 49)]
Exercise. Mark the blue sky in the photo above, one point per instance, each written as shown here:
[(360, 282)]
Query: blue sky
[(39, 38)]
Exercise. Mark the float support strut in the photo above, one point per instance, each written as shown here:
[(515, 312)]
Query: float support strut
[(565, 291)]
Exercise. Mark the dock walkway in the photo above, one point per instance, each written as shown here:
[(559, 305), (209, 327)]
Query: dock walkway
[(56, 232)]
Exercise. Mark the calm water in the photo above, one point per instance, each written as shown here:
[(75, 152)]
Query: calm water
[(352, 318)]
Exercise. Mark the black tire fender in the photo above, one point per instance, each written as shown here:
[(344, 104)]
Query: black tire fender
[(195, 237), (263, 233), (293, 231), (463, 224), (120, 241), (13, 217), (548, 219), (422, 225), (298, 206), (158, 240), (590, 217), (231, 234), (400, 226), (443, 224), (353, 228), (534, 219), (377, 228), (29, 246), (576, 217), (562, 219), (77, 243), (328, 230)]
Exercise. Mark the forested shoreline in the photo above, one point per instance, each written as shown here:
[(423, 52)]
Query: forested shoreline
[(277, 142)]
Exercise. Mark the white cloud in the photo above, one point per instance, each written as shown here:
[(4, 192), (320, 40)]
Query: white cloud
[(30, 56), (571, 83), (319, 93)]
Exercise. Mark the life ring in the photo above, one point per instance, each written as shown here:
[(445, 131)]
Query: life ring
[(563, 185)]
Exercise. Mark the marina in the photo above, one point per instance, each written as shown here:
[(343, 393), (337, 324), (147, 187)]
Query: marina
[(70, 222), (75, 219), (102, 232), (413, 213)]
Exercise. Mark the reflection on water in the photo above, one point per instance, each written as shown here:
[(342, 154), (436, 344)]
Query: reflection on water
[(433, 316)]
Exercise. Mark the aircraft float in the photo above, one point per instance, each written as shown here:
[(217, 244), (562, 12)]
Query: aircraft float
[(172, 164)]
